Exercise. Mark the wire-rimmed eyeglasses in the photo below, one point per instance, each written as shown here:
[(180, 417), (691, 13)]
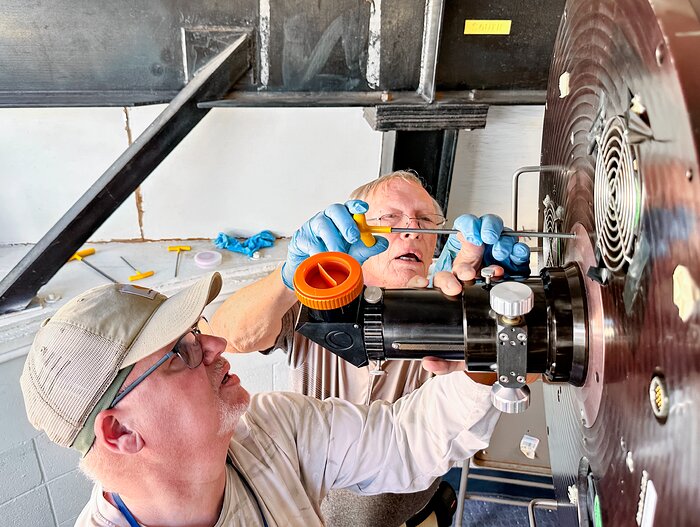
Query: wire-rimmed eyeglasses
[(398, 219), (188, 348)]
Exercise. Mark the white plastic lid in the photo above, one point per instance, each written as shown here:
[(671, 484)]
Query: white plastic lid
[(207, 259)]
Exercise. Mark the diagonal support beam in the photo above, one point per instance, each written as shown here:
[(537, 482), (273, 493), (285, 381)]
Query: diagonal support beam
[(121, 179)]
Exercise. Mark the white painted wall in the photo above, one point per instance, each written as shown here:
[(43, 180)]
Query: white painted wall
[(239, 171), (486, 160)]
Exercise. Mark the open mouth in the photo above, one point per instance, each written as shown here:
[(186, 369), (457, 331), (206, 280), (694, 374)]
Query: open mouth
[(225, 379), (409, 257)]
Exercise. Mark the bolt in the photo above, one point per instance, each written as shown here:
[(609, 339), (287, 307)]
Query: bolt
[(52, 298), (502, 336), (503, 379), (522, 337), (630, 462), (520, 378), (660, 54)]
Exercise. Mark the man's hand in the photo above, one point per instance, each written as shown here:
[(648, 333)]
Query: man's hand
[(480, 243), (332, 229), (441, 367)]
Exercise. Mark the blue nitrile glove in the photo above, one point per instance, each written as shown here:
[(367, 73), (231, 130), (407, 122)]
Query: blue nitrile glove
[(513, 256), (332, 229), (248, 247)]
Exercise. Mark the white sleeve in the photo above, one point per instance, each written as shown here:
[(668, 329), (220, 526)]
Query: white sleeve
[(404, 446), (383, 447)]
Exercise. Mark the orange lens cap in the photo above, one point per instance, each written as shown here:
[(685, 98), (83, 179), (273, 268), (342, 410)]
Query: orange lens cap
[(328, 280)]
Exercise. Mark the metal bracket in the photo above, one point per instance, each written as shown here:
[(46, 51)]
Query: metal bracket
[(511, 355)]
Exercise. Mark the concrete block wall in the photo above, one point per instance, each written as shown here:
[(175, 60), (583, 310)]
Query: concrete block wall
[(41, 484)]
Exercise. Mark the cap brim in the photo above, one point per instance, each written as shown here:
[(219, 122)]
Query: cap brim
[(173, 318)]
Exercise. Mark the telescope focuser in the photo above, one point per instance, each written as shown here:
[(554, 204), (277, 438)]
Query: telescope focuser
[(512, 328)]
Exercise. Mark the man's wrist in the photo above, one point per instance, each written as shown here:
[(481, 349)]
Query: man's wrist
[(486, 378)]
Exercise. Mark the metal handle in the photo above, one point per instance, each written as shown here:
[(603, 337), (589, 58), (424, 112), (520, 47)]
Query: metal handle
[(539, 502), (516, 177)]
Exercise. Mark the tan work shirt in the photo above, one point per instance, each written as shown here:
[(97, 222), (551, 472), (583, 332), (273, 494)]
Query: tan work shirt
[(293, 449), (317, 372)]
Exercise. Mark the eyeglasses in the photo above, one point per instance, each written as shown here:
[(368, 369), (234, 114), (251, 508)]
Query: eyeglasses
[(188, 348), (398, 219)]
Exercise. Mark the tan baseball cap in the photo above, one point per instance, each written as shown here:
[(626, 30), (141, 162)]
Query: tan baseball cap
[(81, 355)]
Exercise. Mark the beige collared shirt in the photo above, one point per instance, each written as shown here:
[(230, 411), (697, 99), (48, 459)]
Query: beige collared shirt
[(293, 449)]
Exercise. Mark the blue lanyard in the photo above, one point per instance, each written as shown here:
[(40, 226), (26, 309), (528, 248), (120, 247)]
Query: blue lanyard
[(124, 510), (133, 523)]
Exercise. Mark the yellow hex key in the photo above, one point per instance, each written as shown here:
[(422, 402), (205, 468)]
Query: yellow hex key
[(80, 256), (366, 231), (179, 249), (139, 275)]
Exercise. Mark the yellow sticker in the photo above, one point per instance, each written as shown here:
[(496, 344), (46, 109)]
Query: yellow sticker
[(487, 27)]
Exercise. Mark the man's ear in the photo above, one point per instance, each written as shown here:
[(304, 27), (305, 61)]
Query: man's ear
[(115, 435)]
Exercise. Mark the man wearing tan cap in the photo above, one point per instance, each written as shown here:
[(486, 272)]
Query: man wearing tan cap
[(129, 378)]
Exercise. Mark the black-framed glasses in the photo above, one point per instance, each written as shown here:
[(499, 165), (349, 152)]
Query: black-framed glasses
[(188, 348), (398, 219)]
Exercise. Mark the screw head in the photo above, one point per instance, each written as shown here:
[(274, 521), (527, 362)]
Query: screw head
[(520, 378), (503, 379), (522, 337), (660, 54)]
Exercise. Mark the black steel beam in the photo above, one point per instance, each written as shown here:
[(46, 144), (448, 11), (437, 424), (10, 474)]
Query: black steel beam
[(242, 98), (121, 179)]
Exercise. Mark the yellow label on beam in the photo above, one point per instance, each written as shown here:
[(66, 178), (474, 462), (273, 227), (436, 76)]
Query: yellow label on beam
[(487, 27)]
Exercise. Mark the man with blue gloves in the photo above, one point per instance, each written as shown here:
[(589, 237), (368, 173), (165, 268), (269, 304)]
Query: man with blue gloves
[(261, 317)]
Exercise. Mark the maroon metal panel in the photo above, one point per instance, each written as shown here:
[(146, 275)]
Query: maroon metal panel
[(612, 51)]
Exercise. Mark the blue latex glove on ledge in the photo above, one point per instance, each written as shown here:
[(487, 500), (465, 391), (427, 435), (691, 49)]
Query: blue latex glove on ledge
[(247, 247), (332, 229), (513, 256)]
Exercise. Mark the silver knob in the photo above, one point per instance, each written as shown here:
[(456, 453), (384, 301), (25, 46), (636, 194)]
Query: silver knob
[(487, 273), (373, 294), (510, 400), (511, 299)]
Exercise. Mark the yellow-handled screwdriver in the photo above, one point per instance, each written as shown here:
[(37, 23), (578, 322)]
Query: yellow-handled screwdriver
[(179, 249), (366, 231), (139, 275), (80, 256)]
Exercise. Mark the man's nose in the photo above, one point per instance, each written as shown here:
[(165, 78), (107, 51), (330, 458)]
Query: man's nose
[(212, 348)]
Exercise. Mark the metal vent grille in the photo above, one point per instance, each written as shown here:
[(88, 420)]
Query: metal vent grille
[(552, 220), (617, 196)]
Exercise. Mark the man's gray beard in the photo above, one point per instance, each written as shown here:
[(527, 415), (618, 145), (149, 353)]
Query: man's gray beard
[(229, 414)]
